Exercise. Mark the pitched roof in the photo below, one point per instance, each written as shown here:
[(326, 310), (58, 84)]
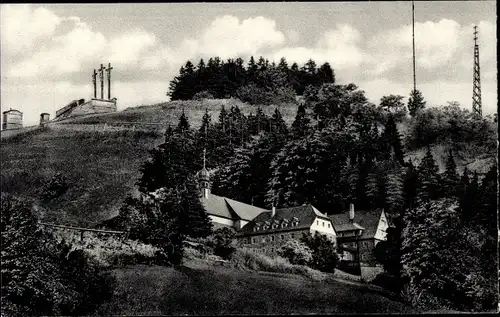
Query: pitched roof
[(367, 219), (12, 110), (305, 216), (228, 208), (245, 211)]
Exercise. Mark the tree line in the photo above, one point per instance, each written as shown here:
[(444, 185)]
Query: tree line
[(260, 81)]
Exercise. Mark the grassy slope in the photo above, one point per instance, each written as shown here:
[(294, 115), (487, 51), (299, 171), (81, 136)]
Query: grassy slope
[(169, 112), (154, 290), (101, 168)]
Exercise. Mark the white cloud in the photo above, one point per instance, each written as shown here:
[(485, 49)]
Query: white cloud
[(226, 37), (22, 25), (437, 44), (129, 47), (339, 47)]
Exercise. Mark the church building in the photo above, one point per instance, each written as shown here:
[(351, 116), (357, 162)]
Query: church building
[(223, 211)]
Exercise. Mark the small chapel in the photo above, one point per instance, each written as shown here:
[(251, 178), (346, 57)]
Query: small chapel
[(223, 211)]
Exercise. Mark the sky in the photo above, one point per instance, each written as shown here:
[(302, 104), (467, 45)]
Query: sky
[(48, 52)]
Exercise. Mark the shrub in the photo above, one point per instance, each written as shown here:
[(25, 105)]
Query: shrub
[(54, 188), (41, 276), (222, 242), (255, 95), (247, 259), (203, 95), (296, 252), (324, 253)]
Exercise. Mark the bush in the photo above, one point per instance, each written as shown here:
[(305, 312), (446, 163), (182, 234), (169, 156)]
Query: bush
[(222, 242), (54, 188), (247, 259), (387, 281), (324, 253), (255, 95), (203, 95), (296, 252), (41, 276)]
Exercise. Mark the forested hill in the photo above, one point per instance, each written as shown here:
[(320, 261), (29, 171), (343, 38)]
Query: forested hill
[(337, 147)]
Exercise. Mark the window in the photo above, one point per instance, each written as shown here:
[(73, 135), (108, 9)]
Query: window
[(282, 237), (275, 226), (317, 222), (323, 223), (253, 240), (328, 225), (272, 238)]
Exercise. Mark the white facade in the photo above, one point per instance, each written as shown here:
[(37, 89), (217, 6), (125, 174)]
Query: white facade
[(325, 227), (382, 226)]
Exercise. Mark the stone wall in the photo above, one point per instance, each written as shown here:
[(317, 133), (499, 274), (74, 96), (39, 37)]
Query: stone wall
[(94, 106), (270, 243)]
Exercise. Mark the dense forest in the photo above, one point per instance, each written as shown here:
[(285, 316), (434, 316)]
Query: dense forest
[(259, 82)]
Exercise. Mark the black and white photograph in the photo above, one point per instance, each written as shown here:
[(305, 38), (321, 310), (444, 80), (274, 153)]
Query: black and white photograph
[(249, 158)]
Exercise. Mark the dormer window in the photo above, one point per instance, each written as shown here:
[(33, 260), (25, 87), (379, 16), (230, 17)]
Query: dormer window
[(284, 224), (255, 229), (265, 227), (275, 226)]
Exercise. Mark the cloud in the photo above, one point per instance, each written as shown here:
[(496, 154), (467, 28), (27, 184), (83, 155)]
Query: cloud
[(443, 47), (339, 47), (227, 37), (22, 25)]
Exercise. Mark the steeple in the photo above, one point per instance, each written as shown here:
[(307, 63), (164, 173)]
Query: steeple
[(204, 178)]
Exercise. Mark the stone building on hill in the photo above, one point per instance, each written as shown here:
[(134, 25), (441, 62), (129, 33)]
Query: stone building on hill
[(95, 105), (12, 119), (267, 232), (358, 232)]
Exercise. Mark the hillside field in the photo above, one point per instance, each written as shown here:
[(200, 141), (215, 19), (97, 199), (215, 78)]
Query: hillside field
[(155, 290)]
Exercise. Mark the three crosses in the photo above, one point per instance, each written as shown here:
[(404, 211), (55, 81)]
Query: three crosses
[(101, 77)]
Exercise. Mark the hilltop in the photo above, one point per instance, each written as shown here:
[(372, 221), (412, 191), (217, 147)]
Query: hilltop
[(100, 155)]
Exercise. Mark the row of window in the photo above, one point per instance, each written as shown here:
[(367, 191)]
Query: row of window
[(284, 224), (272, 238), (323, 223), (283, 236)]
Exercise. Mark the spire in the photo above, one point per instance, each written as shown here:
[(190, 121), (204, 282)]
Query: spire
[(204, 178), (204, 154)]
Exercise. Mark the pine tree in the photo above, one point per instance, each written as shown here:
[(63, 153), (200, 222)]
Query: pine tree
[(392, 140), (470, 198), (278, 124), (428, 178), (183, 124), (283, 66), (193, 219), (300, 127), (325, 74), (415, 102), (372, 190), (394, 196), (450, 179), (410, 184), (436, 255)]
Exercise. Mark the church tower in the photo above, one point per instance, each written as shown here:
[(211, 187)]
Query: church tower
[(204, 179)]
